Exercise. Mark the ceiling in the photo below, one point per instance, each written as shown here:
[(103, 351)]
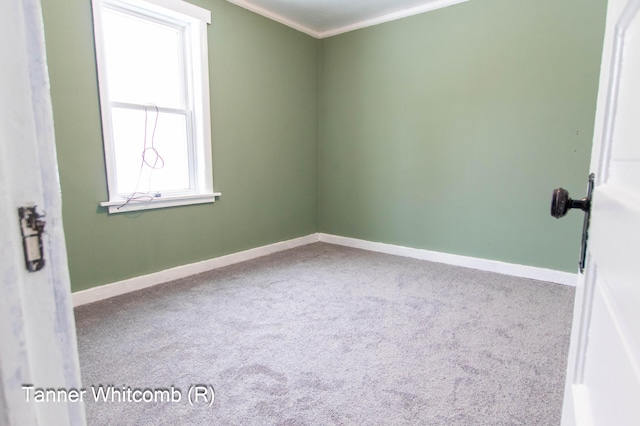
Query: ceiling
[(324, 18)]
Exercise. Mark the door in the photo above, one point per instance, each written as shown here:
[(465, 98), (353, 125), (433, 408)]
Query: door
[(37, 333), (603, 374)]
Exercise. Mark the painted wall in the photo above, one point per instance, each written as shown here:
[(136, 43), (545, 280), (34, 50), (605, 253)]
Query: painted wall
[(449, 130), (264, 98), (445, 131)]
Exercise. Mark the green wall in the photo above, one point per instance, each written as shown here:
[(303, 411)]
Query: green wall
[(445, 131), (264, 100), (448, 130)]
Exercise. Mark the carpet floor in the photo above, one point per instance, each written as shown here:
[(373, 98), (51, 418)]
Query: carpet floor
[(328, 335)]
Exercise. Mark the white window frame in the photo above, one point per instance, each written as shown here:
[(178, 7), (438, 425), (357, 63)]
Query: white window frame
[(195, 19)]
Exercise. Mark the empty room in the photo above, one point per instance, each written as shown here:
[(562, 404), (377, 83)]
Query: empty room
[(280, 212)]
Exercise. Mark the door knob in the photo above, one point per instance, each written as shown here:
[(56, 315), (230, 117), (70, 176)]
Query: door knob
[(561, 203)]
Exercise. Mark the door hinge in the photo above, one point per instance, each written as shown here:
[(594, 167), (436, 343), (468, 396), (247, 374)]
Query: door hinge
[(32, 229)]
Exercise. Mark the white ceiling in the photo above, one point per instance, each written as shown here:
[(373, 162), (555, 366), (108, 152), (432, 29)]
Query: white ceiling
[(324, 18)]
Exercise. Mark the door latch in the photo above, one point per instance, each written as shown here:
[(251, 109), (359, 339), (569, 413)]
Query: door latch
[(32, 228), (561, 203)]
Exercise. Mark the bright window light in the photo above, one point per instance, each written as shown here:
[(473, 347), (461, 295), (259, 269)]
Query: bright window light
[(144, 59), (154, 96)]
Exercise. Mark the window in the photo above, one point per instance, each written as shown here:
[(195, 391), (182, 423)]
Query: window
[(154, 97)]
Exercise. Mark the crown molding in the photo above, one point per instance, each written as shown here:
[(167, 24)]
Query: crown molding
[(275, 17), (427, 7)]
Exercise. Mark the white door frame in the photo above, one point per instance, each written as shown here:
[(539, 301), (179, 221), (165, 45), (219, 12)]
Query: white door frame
[(37, 330)]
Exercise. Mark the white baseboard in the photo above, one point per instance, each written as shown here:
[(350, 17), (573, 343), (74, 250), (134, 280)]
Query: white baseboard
[(138, 283), (523, 271)]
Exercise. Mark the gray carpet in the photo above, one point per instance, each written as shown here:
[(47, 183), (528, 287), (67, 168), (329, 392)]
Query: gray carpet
[(328, 335)]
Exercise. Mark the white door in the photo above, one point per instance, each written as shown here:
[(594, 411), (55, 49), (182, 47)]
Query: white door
[(603, 374), (37, 332)]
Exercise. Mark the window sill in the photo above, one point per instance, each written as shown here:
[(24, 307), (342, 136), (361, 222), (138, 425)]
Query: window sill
[(121, 206)]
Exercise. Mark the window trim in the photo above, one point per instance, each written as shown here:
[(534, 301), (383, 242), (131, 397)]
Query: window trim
[(198, 98)]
